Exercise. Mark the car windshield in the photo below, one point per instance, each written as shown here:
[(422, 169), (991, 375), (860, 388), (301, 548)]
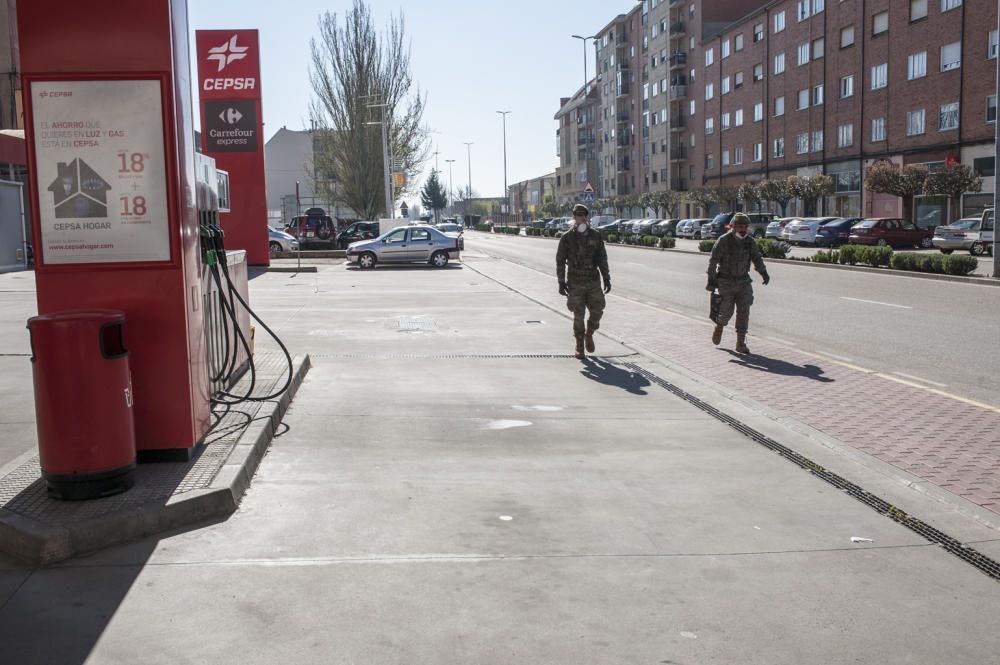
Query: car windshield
[(868, 223), (723, 218)]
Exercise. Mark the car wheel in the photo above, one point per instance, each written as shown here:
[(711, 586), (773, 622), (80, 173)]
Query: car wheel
[(977, 249), (882, 243), (274, 248), (439, 259), (925, 242), (366, 261), (947, 251)]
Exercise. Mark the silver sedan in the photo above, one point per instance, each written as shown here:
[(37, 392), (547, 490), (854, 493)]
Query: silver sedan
[(407, 244)]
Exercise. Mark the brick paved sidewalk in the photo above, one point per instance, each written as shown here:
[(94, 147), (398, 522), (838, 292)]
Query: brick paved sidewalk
[(949, 443)]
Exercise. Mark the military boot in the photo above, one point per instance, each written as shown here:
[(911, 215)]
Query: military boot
[(741, 343), (717, 334), (588, 340), (579, 346)]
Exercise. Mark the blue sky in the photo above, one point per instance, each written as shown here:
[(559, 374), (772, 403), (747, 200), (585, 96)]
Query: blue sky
[(472, 59)]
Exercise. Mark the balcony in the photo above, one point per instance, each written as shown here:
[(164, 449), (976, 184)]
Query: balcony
[(678, 91), (678, 59), (623, 117), (623, 141), (584, 139), (624, 164), (622, 66), (674, 3), (677, 153), (622, 89), (679, 184), (677, 29), (678, 122)]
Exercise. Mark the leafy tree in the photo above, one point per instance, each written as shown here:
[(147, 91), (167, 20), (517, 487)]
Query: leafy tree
[(703, 197), (776, 191), (810, 189), (953, 181), (888, 178), (727, 196), (667, 202), (353, 67), (750, 192), (433, 195)]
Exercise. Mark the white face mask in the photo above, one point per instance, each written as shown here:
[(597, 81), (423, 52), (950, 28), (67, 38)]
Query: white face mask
[(739, 235), (581, 228)]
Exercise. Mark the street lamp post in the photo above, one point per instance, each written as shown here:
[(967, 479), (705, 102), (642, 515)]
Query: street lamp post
[(390, 207), (451, 201), (506, 195), (468, 150), (585, 79)]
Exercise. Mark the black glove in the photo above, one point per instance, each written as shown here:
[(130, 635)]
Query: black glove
[(712, 284), (766, 278), (607, 285), (562, 289)]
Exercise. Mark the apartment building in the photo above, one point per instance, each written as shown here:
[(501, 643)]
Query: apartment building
[(576, 143), (528, 196), (717, 92)]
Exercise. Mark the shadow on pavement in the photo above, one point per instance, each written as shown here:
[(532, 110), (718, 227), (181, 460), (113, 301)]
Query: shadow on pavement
[(600, 370), (452, 265), (775, 366)]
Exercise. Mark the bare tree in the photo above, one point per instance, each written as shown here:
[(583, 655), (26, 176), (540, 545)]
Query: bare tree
[(353, 70)]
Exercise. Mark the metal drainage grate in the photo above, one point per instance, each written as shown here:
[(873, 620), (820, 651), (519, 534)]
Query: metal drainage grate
[(977, 559)]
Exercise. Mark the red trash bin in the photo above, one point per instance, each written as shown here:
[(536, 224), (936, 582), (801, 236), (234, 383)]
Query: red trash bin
[(83, 403)]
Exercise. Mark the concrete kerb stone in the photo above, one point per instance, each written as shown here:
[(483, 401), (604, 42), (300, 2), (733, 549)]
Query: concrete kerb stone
[(798, 436), (36, 543), (985, 281), (292, 269)]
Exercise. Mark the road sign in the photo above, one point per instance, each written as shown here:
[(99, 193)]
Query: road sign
[(588, 197)]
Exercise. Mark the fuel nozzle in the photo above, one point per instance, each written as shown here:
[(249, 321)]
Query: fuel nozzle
[(218, 239), (208, 254)]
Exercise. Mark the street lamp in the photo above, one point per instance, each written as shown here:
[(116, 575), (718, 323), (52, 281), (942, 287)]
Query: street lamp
[(390, 206), (451, 201), (506, 196), (584, 41), (468, 150)]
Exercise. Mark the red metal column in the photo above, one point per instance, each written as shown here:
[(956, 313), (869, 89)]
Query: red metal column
[(113, 248)]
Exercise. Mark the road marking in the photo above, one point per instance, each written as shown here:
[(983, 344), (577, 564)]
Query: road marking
[(836, 357), (876, 302), (917, 378), (780, 341)]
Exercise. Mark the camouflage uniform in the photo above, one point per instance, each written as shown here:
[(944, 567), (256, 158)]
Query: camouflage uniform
[(729, 270), (581, 261)]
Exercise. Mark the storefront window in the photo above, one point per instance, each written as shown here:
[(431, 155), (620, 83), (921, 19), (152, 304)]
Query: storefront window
[(931, 211), (973, 205)]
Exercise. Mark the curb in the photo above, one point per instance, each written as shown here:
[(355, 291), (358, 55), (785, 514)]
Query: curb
[(982, 281), (312, 254), (38, 544), (292, 269)]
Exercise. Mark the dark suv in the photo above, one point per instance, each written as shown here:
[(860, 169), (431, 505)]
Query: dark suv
[(313, 229), (357, 231), (719, 225)]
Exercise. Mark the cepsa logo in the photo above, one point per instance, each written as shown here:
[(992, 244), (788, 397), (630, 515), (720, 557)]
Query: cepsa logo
[(224, 55), (55, 93)]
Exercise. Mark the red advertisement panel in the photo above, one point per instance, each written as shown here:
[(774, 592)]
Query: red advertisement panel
[(232, 132)]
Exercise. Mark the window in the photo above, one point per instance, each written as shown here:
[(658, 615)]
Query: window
[(918, 9), (725, 158), (991, 50), (738, 42), (738, 80), (985, 167), (880, 23), (818, 6), (738, 118), (758, 32), (915, 122), (817, 94), (948, 117), (817, 141), (947, 5), (725, 86), (779, 21), (878, 130), (803, 99), (845, 136), (991, 108), (951, 56), (803, 10), (758, 111), (779, 63), (709, 91), (847, 86), (725, 121), (709, 125), (738, 155), (758, 72), (691, 107), (818, 46), (710, 56), (779, 147), (803, 54), (916, 65), (880, 76), (725, 49), (758, 152), (846, 36), (709, 162), (802, 143), (779, 106)]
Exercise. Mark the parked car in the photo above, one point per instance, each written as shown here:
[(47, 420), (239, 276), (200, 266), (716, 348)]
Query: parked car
[(710, 230), (693, 228), (644, 227), (666, 228), (889, 231), (836, 232), (775, 228), (984, 244), (314, 228), (449, 227), (803, 231), (357, 231), (962, 234), (279, 241), (407, 244), (757, 227)]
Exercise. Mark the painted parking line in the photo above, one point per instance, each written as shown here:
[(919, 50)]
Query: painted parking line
[(921, 379), (834, 356), (876, 302), (784, 342)]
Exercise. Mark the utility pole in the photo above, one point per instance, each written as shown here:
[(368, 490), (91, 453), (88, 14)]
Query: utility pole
[(506, 194), (468, 150), (436, 158), (451, 201), (996, 163), (390, 207), (586, 81)]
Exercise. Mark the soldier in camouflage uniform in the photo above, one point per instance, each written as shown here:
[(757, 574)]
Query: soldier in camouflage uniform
[(580, 260), (729, 271)]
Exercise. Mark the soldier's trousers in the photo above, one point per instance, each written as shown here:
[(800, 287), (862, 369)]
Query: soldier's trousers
[(582, 297), (738, 294)]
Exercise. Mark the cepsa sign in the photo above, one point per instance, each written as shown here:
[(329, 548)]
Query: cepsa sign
[(228, 64)]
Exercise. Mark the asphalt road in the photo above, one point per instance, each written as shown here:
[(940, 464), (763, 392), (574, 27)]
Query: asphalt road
[(939, 334)]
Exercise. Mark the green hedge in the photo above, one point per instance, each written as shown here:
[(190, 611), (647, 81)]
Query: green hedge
[(823, 256), (668, 243), (706, 245), (871, 255), (771, 249), (482, 227), (952, 264)]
